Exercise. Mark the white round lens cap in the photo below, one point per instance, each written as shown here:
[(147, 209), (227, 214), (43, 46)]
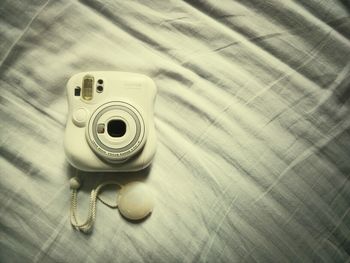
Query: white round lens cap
[(135, 201)]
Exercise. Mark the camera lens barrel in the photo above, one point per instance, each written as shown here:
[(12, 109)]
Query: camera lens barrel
[(116, 131)]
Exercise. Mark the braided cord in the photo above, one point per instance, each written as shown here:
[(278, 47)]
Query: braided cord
[(89, 222)]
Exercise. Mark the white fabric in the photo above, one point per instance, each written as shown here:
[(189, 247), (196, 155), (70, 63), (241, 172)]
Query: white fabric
[(252, 117)]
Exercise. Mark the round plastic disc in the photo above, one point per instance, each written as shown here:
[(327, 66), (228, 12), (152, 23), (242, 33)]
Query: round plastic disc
[(135, 201)]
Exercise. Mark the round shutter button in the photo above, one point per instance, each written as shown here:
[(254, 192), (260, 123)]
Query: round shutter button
[(80, 116)]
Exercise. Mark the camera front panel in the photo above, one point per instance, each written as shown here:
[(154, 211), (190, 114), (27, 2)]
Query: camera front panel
[(110, 123)]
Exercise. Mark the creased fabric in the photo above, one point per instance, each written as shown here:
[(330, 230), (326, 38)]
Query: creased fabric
[(252, 118)]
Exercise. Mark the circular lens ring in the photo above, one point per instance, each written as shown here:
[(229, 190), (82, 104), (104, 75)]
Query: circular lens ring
[(110, 149), (115, 154)]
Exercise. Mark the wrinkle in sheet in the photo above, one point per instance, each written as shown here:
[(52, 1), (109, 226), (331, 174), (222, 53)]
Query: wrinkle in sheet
[(252, 158), (7, 54)]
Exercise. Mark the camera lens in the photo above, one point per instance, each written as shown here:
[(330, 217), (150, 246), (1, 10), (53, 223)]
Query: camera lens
[(116, 128), (116, 131), (99, 89)]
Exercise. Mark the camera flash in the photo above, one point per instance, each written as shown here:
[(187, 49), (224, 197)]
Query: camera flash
[(88, 84)]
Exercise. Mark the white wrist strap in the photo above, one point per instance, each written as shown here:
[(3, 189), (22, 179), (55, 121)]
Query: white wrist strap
[(89, 222)]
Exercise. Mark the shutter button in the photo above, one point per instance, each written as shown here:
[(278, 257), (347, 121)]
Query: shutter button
[(80, 117)]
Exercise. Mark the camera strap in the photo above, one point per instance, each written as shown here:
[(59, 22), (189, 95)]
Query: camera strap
[(87, 225)]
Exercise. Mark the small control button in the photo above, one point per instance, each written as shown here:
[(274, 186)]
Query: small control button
[(80, 116)]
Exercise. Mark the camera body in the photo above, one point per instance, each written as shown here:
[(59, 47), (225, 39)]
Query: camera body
[(110, 125)]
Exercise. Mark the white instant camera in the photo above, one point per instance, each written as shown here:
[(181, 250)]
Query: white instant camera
[(110, 124)]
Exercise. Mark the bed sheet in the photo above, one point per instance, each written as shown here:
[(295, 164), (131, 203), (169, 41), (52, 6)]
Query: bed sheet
[(252, 118)]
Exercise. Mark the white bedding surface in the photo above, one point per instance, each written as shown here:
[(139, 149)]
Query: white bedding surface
[(252, 118)]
